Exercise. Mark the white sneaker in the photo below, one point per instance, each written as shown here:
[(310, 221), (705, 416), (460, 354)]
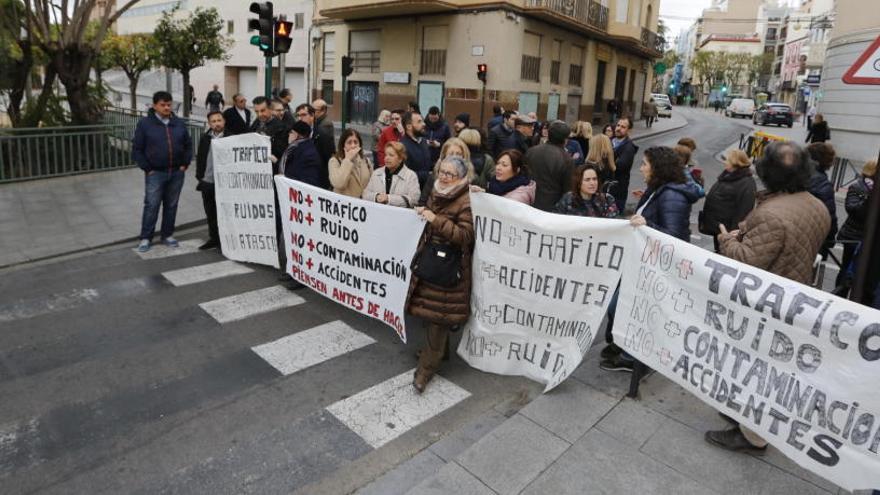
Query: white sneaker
[(170, 242), (144, 246)]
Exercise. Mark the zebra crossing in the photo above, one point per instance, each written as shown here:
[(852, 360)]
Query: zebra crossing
[(377, 413)]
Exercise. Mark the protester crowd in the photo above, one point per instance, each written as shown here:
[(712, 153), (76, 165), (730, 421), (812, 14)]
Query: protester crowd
[(429, 165)]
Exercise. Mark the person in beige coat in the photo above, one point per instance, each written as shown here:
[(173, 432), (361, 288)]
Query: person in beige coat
[(349, 169), (782, 235), (394, 184)]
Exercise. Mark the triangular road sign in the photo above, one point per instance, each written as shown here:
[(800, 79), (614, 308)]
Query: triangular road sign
[(866, 69)]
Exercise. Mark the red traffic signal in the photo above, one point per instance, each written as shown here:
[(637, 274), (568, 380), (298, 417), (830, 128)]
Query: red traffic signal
[(482, 70)]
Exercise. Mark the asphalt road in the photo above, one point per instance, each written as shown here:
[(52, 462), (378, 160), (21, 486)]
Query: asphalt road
[(120, 374)]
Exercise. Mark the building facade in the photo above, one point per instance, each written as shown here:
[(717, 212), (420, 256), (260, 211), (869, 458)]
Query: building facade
[(559, 60), (244, 71)]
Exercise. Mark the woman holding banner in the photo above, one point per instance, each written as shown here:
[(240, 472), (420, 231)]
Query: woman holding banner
[(666, 204), (511, 179), (440, 289), (394, 184), (349, 169)]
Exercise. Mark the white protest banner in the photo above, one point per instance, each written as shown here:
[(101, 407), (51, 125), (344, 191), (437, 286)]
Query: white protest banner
[(355, 252), (796, 365), (541, 285), (245, 198)]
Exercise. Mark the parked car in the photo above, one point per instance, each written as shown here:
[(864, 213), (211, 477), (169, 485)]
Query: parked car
[(773, 113), (664, 106), (740, 107)]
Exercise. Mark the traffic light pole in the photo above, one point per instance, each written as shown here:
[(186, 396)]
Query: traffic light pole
[(268, 77), (483, 105), (344, 101), (282, 72)]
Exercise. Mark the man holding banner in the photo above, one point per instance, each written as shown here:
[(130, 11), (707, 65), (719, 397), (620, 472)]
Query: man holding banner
[(205, 176), (782, 235)]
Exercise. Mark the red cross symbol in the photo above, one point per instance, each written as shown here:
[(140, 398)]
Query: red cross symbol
[(309, 263), (309, 200), (310, 219), (311, 245)]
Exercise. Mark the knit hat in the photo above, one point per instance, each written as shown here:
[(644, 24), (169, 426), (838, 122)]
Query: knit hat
[(464, 118), (301, 128)]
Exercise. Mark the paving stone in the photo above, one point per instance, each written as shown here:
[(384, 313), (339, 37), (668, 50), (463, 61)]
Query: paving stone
[(405, 476), (613, 383), (684, 449), (662, 394), (631, 422), (458, 441), (598, 463), (570, 409), (451, 479), (509, 457)]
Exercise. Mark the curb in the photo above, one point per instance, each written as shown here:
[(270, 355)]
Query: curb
[(660, 133), (185, 226)]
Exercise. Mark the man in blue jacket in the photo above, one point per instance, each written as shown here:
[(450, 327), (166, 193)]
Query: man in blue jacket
[(162, 148)]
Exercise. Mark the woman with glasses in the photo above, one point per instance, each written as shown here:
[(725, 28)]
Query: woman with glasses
[(443, 299)]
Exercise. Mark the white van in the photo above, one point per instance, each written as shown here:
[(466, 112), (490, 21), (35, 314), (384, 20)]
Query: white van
[(664, 106), (740, 107)]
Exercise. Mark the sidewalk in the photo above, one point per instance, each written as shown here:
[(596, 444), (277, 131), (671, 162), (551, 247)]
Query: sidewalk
[(585, 437), (51, 217)]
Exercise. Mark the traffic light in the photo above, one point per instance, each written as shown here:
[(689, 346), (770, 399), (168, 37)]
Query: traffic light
[(482, 70), (281, 38), (671, 85), (347, 67), (264, 24), (724, 89)]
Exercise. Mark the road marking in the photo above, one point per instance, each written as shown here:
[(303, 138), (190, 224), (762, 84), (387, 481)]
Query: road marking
[(158, 251), (202, 273), (55, 302), (313, 346), (252, 303), (18, 443), (385, 411)]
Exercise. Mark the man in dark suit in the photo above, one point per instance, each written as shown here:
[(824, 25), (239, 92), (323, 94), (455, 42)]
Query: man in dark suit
[(205, 176), (238, 117)]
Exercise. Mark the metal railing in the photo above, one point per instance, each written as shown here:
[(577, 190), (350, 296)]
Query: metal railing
[(365, 61), (530, 70), (575, 75), (43, 152), (652, 40), (587, 12), (433, 62), (555, 67)]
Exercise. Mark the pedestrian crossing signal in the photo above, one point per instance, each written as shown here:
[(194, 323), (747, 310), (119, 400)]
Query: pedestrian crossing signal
[(482, 70), (282, 39)]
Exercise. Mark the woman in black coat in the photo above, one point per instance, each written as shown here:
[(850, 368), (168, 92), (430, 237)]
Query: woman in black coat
[(853, 230), (666, 204), (730, 199), (819, 132)]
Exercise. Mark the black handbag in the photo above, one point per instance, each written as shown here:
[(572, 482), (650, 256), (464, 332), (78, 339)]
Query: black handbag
[(438, 264)]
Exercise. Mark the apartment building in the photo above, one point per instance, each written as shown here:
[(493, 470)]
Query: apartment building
[(558, 59), (244, 71)]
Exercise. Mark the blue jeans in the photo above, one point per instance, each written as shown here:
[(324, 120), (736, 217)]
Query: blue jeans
[(162, 188)]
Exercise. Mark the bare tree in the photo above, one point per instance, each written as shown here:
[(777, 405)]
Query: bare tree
[(61, 30)]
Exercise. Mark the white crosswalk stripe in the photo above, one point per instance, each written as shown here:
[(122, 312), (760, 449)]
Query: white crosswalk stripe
[(313, 346), (203, 273), (159, 251), (247, 304), (386, 411)]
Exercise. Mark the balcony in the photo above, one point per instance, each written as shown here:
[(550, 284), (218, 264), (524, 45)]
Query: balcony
[(366, 9), (589, 13), (653, 41)]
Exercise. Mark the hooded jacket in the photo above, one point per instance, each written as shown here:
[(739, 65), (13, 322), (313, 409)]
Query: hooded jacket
[(729, 200), (160, 147), (668, 208), (551, 168)]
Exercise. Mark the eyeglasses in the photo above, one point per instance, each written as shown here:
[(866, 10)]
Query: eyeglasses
[(447, 174)]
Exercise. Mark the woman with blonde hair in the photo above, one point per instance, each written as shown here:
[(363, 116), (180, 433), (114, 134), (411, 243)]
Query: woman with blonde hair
[(582, 132), (731, 198), (394, 184), (601, 156), (452, 147), (484, 165)]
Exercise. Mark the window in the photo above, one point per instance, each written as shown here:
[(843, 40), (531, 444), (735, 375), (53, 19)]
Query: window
[(327, 90), (621, 11), (230, 27), (435, 39), (298, 21), (364, 50), (555, 61), (530, 69), (329, 57), (576, 69)]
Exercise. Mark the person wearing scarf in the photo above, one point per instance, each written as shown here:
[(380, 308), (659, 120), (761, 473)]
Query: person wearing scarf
[(511, 179)]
